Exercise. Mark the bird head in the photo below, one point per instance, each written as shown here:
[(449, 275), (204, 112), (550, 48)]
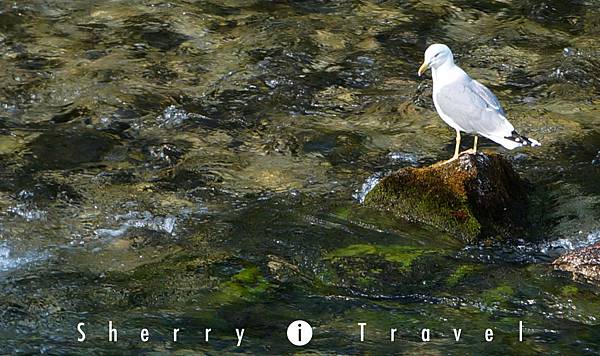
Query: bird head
[(435, 55)]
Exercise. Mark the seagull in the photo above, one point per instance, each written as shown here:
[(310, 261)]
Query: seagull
[(467, 105)]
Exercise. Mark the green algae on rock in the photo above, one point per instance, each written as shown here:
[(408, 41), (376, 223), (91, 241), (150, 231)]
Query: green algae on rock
[(382, 269), (475, 197), (462, 272), (501, 294), (402, 255)]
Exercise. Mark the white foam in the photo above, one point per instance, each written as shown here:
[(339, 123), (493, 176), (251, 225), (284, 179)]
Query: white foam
[(10, 261), (173, 116), (27, 212), (572, 243), (143, 220), (367, 186), (403, 157)]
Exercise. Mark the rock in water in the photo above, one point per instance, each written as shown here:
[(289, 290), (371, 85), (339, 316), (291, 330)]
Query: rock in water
[(475, 197), (584, 263)]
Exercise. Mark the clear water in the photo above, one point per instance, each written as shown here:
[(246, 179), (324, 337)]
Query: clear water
[(197, 164)]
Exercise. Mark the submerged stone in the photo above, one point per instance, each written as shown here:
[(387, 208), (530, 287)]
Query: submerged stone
[(501, 294), (462, 272), (65, 149), (404, 256), (381, 269), (475, 197), (583, 263)]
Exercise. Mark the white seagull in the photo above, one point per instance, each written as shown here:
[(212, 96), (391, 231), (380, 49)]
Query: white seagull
[(467, 105)]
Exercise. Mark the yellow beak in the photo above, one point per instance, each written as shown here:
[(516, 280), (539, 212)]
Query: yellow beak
[(423, 68)]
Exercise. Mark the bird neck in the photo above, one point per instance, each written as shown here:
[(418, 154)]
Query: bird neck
[(448, 68)]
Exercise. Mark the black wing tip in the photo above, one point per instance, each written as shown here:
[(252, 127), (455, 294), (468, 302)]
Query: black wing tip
[(522, 140)]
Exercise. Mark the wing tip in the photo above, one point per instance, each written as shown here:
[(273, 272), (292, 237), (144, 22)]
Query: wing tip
[(522, 140)]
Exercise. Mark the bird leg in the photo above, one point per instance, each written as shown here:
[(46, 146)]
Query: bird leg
[(456, 149), (472, 150)]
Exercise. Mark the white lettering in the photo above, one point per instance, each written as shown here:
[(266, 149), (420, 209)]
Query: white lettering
[(112, 333), (82, 337), (144, 335), (520, 330), (426, 335), (457, 334), (362, 331), (240, 336), (489, 335)]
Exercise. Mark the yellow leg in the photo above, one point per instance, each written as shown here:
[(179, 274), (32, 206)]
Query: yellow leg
[(474, 149), (456, 149)]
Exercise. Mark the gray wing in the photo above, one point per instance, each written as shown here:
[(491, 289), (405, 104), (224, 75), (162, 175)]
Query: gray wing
[(474, 108)]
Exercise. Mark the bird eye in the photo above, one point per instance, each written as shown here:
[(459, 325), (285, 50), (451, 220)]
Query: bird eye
[(437, 54)]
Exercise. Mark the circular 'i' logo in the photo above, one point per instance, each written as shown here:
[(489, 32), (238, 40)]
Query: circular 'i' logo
[(299, 332)]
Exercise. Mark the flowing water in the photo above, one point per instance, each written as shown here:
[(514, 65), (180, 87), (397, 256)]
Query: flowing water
[(200, 164)]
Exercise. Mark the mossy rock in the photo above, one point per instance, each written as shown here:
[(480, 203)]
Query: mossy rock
[(475, 197)]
